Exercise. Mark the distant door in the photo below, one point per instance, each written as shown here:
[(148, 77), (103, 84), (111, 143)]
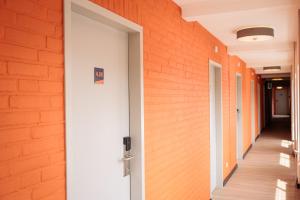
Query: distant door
[(259, 107), (239, 121), (100, 112), (252, 112), (281, 101), (216, 144)]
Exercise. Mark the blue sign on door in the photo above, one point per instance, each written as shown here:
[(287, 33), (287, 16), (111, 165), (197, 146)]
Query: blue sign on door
[(98, 75)]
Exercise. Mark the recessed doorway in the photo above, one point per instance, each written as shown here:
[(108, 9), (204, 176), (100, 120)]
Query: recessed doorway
[(239, 118), (216, 135)]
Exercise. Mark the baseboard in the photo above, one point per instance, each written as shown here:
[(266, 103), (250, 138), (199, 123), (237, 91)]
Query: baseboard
[(297, 184), (257, 137), (229, 175), (245, 154)]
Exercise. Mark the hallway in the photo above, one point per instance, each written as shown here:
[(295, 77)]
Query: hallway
[(268, 171)]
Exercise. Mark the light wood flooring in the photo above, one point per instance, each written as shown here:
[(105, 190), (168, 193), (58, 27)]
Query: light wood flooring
[(268, 171)]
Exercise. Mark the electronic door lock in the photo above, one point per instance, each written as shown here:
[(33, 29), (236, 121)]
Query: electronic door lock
[(127, 143), (127, 155)]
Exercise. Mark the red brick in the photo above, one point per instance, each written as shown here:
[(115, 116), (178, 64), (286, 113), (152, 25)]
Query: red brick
[(3, 67), (56, 102), (27, 7), (52, 116), (56, 74), (8, 85), (57, 195), (19, 52), (47, 86), (9, 185), (45, 144), (52, 172), (17, 118), (33, 163), (14, 135), (54, 4), (59, 31), (19, 195), (50, 58), (55, 16), (4, 102), (1, 32), (45, 131), (28, 85), (7, 17), (47, 188), (4, 170), (57, 157), (31, 178), (25, 38), (30, 102), (54, 44), (35, 25), (10, 152), (16, 68)]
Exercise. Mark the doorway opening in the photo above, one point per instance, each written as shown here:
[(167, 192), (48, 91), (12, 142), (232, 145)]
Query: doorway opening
[(252, 93), (258, 109), (216, 132), (239, 118), (104, 104)]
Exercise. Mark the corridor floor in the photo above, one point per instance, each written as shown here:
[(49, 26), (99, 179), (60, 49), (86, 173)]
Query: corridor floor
[(268, 171)]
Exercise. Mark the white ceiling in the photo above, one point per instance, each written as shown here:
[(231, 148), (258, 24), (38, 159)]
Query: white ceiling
[(223, 17)]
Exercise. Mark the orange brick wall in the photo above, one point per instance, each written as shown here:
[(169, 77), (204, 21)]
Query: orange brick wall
[(31, 100), (176, 54)]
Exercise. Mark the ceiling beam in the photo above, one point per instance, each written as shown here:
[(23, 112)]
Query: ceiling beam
[(191, 11)]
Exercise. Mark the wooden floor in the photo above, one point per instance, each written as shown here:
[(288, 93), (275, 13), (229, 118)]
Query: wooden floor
[(268, 171)]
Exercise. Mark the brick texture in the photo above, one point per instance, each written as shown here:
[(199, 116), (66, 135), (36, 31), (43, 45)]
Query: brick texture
[(32, 161), (176, 55)]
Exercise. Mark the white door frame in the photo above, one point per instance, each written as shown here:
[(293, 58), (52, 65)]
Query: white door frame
[(136, 85), (219, 140), (259, 108), (239, 126), (252, 105)]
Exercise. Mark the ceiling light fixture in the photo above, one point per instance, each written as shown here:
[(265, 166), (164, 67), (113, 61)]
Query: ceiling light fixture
[(277, 79), (253, 34), (279, 87), (272, 68)]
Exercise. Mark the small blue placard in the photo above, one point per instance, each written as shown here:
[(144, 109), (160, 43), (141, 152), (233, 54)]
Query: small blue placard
[(98, 75)]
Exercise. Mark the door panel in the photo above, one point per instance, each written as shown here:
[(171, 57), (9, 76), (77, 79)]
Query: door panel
[(100, 112), (281, 99)]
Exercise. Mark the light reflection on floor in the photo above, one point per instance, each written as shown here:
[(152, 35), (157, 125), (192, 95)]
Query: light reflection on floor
[(284, 160), (280, 190)]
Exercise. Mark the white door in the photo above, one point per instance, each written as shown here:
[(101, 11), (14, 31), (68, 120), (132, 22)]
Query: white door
[(252, 112), (213, 134), (239, 127), (100, 112), (281, 102), (216, 137)]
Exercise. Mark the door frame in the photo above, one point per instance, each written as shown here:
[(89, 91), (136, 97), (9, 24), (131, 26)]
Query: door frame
[(252, 108), (239, 127), (219, 141), (259, 108), (136, 85)]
